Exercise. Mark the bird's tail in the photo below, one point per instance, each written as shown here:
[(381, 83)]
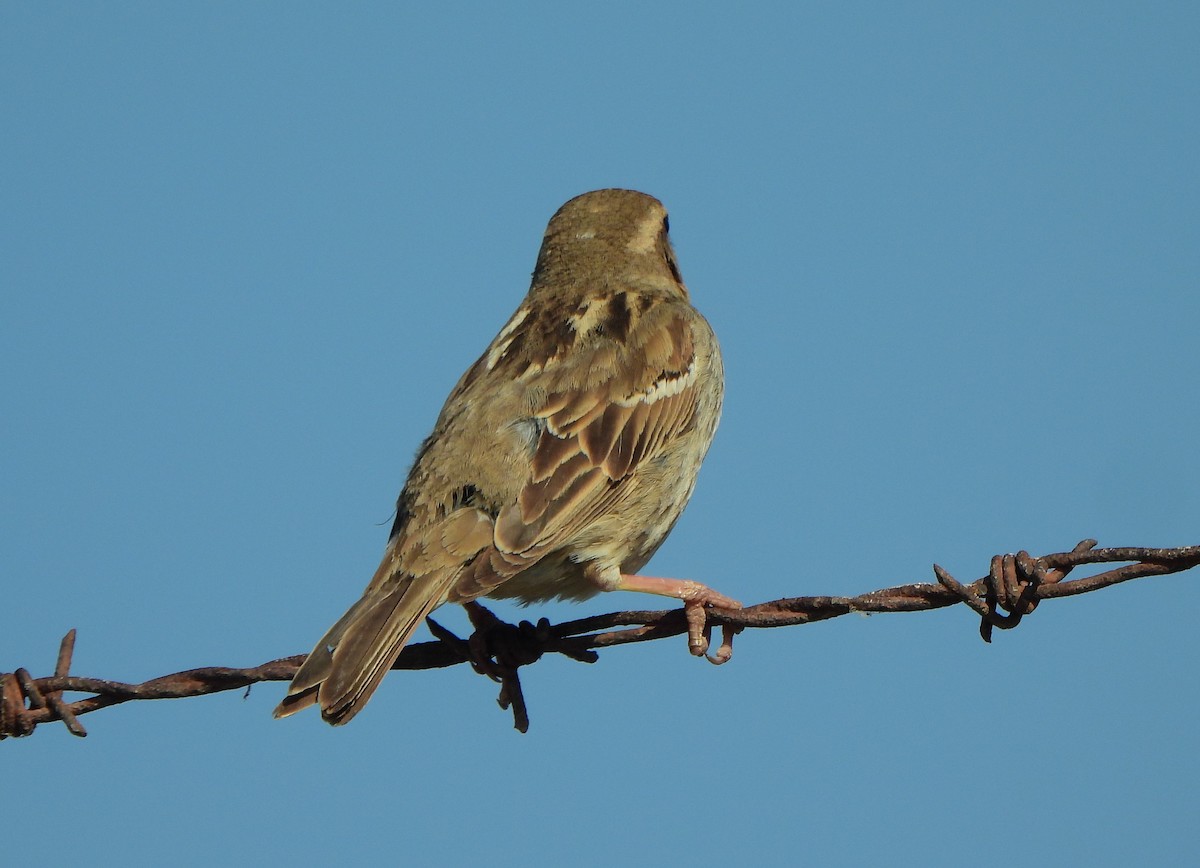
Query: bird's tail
[(351, 659)]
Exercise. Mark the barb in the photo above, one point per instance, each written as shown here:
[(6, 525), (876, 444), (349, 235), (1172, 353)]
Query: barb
[(1014, 586)]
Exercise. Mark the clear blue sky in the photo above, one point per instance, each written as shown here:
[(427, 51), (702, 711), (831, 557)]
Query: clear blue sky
[(951, 251)]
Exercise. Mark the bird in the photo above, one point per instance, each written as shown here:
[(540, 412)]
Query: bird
[(561, 459)]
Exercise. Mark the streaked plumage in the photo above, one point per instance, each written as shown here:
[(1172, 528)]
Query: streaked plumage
[(562, 457)]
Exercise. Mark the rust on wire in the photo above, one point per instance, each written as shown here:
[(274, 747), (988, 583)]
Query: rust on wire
[(1011, 590)]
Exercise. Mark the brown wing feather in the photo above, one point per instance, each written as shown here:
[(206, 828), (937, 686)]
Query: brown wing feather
[(592, 440), (624, 453), (599, 437)]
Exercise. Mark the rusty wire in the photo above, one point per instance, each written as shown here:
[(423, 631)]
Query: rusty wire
[(1014, 586)]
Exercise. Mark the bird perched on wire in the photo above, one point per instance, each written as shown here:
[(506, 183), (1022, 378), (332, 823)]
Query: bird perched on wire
[(562, 458)]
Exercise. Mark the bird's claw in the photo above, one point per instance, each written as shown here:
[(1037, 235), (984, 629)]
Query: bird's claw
[(700, 631)]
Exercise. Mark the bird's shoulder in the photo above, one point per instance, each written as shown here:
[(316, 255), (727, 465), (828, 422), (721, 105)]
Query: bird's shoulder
[(624, 338)]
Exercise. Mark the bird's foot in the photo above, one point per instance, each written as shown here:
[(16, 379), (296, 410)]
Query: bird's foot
[(700, 634), (697, 599)]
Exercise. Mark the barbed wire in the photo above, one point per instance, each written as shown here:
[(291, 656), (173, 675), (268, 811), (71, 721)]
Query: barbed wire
[(1011, 590)]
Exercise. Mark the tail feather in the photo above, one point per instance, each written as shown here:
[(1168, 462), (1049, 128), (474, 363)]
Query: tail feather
[(302, 692), (352, 658)]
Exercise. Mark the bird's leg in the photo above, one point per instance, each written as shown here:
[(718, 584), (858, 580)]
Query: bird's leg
[(489, 663), (696, 597)]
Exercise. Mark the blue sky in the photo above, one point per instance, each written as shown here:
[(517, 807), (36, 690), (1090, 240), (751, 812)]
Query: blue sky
[(951, 253)]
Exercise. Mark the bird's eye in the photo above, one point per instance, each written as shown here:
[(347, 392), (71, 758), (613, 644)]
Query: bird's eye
[(666, 224)]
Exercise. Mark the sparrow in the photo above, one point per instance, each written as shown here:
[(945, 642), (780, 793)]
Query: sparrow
[(562, 458)]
